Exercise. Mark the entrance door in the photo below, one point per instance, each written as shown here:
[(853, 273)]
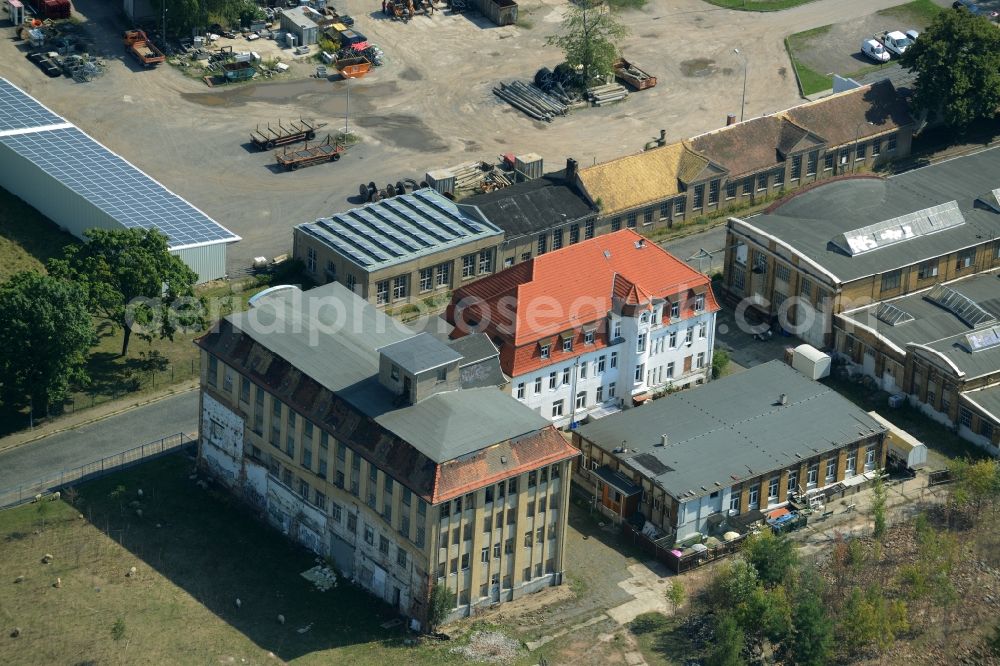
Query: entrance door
[(395, 596), (687, 364)]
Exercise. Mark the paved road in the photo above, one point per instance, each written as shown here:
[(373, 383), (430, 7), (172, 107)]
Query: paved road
[(88, 443)]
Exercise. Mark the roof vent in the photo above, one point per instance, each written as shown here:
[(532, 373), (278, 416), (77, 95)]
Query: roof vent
[(607, 254), (783, 399), (663, 440), (641, 243), (503, 460)]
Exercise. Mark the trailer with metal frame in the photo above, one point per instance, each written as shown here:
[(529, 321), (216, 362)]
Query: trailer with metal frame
[(326, 151), (269, 137)]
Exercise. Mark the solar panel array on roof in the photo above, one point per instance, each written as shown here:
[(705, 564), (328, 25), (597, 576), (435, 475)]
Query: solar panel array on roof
[(116, 187), (398, 229), (960, 305), (898, 229), (985, 339), (892, 315), (18, 110)]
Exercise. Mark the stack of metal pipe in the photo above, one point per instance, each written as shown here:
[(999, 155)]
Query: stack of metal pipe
[(606, 94), (531, 100)]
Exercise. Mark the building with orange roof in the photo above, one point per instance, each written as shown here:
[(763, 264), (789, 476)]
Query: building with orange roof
[(594, 327), (389, 452)]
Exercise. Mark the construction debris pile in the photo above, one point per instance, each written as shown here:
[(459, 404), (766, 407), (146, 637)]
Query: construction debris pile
[(606, 94), (58, 48), (491, 647), (481, 176), (322, 578)]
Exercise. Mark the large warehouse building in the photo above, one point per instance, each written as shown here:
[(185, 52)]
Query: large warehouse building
[(79, 184)]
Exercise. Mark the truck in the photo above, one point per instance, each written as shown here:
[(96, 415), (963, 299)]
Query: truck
[(138, 44), (874, 50), (631, 74), (51, 9), (894, 41)]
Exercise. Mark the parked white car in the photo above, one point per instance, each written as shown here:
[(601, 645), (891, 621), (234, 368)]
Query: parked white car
[(874, 50), (895, 41), (912, 34)]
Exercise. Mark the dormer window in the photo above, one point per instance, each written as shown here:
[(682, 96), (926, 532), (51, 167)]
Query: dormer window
[(442, 374), (567, 344), (699, 302), (588, 338), (544, 351), (394, 373), (675, 310), (644, 318)]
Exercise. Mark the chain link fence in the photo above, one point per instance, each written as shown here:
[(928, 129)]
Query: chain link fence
[(113, 463)]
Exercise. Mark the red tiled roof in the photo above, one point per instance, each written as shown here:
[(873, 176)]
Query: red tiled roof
[(505, 460)]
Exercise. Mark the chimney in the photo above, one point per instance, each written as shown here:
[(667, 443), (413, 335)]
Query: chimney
[(663, 439), (570, 171), (783, 399), (662, 141), (730, 119)]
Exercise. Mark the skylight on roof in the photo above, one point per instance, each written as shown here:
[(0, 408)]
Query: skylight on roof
[(985, 339), (892, 315), (898, 229), (960, 305)]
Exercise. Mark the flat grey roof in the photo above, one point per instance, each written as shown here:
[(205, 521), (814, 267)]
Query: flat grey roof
[(332, 335), (394, 231), (534, 205), (732, 429), (101, 177), (420, 353), (474, 348), (987, 399), (938, 328), (811, 220)]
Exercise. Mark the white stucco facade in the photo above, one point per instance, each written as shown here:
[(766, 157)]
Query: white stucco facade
[(648, 352)]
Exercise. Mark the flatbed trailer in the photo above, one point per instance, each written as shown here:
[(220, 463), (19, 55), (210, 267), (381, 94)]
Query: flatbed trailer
[(269, 137), (326, 151), (631, 74)]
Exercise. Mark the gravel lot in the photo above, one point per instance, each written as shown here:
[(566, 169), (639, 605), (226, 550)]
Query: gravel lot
[(430, 106)]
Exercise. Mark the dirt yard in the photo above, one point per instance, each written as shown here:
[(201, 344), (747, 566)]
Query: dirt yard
[(430, 106)]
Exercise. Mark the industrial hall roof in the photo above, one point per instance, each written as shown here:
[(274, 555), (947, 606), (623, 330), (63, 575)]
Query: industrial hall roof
[(534, 205), (105, 180), (858, 227), (731, 429), (987, 400), (317, 352), (637, 180), (393, 231), (578, 284), (958, 320), (421, 353)]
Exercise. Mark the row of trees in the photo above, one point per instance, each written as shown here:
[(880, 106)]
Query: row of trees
[(184, 17), (126, 277)]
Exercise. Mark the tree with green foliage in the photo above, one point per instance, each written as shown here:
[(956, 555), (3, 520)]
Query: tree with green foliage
[(590, 38), (47, 333), (442, 602), (878, 509), (869, 619), (770, 555), (734, 584), (957, 62), (133, 281), (720, 360), (727, 645), (676, 594), (811, 642), (977, 484)]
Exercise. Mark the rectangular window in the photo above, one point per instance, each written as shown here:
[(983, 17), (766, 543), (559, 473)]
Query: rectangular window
[(845, 155), (748, 186), (320, 500), (647, 216), (544, 351), (688, 335), (542, 244), (588, 229), (796, 167), (890, 143), (670, 370), (713, 192), (369, 535), (731, 189), (538, 385), (772, 489), (581, 400), (876, 147), (614, 359), (426, 279), (276, 422), (484, 554), (383, 545), (630, 219), (565, 376), (465, 562), (754, 498), (664, 210), (672, 340), (382, 292), (965, 417), (485, 262), (812, 163), (311, 260), (679, 205), (779, 177), (304, 489), (611, 390), (468, 266), (244, 389), (702, 330), (583, 370), (700, 363), (616, 223), (852, 463), (599, 395), (400, 557), (675, 310), (600, 364), (831, 469), (399, 286), (553, 380), (528, 539), (258, 412), (588, 337), (307, 429), (860, 151), (443, 275), (891, 280), (557, 408), (699, 196), (734, 500), (813, 475), (761, 182), (927, 269), (520, 391), (782, 272), (870, 457), (793, 480), (639, 372), (965, 259), (567, 345), (574, 234), (213, 370), (640, 343), (351, 281), (828, 162)]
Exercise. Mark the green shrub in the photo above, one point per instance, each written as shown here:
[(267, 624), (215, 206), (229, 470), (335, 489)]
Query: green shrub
[(647, 623)]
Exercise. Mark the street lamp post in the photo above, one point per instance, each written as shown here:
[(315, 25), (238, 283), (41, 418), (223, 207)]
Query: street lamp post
[(743, 102)]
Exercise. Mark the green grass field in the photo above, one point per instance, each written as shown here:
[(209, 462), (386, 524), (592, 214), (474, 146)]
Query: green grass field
[(195, 552), (27, 238), (919, 12), (810, 81)]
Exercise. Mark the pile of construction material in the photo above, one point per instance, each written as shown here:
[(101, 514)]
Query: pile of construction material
[(481, 176), (532, 100), (606, 94)]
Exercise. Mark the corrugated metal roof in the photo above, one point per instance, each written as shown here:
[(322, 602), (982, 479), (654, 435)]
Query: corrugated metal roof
[(533, 206), (732, 429), (394, 231)]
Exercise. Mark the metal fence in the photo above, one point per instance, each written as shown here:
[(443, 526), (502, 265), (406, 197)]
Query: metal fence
[(113, 463)]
